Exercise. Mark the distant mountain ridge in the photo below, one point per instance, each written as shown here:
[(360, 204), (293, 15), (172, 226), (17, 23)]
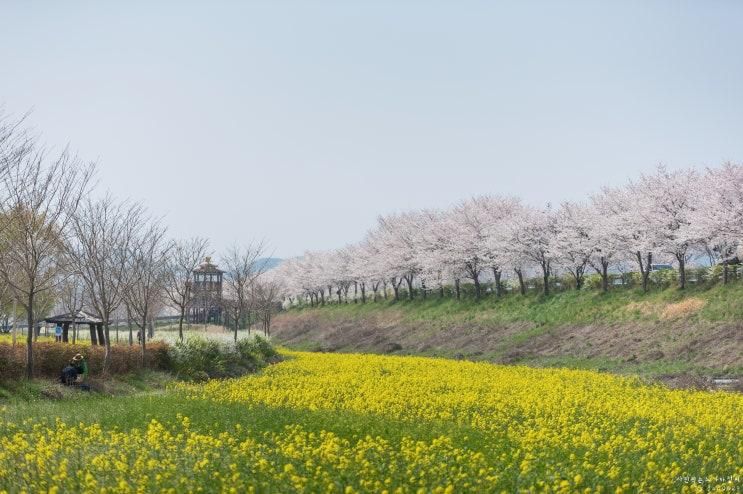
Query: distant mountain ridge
[(267, 263)]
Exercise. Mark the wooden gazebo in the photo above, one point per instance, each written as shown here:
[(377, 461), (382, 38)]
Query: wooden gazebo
[(95, 324)]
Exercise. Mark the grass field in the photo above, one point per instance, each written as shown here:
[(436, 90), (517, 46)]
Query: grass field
[(365, 423)]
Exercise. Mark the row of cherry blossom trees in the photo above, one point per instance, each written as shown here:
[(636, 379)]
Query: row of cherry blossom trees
[(673, 216)]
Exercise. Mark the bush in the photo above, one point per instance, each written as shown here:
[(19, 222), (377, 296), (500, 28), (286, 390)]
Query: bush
[(51, 357), (198, 359)]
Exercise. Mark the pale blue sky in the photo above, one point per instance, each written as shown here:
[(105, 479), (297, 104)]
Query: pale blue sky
[(310, 118)]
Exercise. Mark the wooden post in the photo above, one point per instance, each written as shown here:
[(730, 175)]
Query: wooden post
[(93, 335), (101, 336)]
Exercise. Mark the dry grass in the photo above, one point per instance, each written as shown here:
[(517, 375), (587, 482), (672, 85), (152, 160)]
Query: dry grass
[(644, 308), (681, 309)]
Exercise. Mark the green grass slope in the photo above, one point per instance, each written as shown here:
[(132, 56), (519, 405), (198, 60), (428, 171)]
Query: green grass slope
[(669, 333)]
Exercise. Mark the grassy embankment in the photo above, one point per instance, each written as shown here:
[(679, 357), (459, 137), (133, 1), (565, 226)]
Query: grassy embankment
[(663, 332)]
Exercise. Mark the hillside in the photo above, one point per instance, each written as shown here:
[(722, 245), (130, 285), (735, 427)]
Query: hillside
[(682, 337)]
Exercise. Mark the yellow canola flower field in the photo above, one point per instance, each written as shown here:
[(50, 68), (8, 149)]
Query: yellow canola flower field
[(492, 429)]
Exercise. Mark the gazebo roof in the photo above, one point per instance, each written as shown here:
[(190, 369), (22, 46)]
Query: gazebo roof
[(78, 317), (208, 267)]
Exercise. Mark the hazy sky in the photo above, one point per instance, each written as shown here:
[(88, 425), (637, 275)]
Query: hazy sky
[(300, 122)]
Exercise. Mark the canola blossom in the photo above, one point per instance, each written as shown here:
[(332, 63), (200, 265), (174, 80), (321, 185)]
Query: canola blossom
[(495, 429)]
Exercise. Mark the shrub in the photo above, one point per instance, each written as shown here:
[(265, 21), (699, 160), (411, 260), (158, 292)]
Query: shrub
[(51, 357), (198, 359)]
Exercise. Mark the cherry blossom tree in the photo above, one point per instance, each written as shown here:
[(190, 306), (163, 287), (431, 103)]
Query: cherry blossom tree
[(666, 202)]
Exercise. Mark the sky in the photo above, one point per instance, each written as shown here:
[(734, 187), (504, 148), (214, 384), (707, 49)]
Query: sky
[(300, 122)]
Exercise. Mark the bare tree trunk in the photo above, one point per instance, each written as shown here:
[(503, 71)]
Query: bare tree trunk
[(107, 354), (725, 272), (456, 287), (180, 324), (546, 278), (29, 337), (143, 332), (131, 336)]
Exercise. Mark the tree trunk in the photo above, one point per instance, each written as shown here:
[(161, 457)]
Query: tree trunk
[(682, 272), (522, 285), (441, 290), (131, 335), (578, 275), (476, 280), (546, 278), (396, 288), (180, 323), (409, 282), (66, 332), (355, 292), (498, 287), (725, 272), (604, 276), (107, 342), (30, 337), (644, 268), (456, 287), (93, 335), (143, 332), (363, 292)]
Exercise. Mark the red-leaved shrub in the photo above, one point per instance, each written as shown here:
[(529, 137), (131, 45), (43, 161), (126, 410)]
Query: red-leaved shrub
[(51, 357)]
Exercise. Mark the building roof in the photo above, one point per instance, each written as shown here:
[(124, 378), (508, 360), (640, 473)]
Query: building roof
[(207, 267), (78, 317)]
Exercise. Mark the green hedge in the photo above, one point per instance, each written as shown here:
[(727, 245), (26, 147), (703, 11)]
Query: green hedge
[(198, 358)]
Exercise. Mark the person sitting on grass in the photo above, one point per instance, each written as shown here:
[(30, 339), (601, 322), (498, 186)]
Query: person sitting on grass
[(81, 366), (76, 373)]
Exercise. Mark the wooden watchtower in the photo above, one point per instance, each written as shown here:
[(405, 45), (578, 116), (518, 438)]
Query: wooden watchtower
[(206, 299)]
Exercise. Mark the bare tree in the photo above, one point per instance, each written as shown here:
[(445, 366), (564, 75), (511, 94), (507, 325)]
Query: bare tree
[(184, 258), (15, 143), (72, 299), (42, 197), (242, 267), (146, 265), (266, 295), (104, 231)]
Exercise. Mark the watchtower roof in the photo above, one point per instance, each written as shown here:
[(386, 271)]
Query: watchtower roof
[(207, 267)]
